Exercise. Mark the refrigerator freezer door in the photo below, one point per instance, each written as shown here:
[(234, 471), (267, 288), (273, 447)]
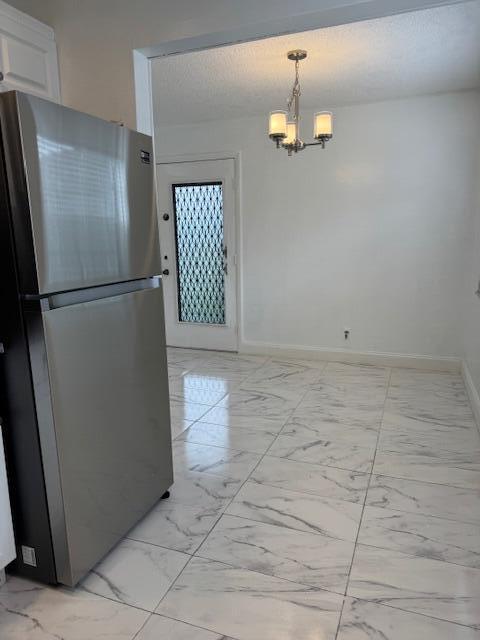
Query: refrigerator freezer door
[(90, 198), (109, 388)]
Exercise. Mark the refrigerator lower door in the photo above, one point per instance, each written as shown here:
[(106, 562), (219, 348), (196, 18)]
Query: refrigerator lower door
[(109, 396)]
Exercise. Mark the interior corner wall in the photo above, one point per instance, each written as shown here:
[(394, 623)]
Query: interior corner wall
[(370, 234), (471, 318)]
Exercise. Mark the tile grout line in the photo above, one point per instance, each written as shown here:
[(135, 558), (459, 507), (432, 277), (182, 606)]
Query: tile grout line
[(216, 521), (427, 515), (435, 484), (371, 473), (356, 544), (382, 604), (272, 575), (317, 533), (306, 462), (241, 485), (309, 493), (235, 388), (266, 452), (309, 387), (322, 370), (290, 415), (363, 506), (417, 613), (322, 535), (315, 588), (195, 626), (142, 627), (239, 489), (148, 613)]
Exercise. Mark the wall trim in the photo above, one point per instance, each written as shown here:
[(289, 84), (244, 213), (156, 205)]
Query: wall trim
[(142, 77), (412, 361), (472, 391)]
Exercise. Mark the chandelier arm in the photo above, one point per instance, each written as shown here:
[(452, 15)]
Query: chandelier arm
[(316, 144)]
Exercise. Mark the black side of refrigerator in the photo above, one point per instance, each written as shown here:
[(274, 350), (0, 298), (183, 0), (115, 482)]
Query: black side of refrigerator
[(17, 408)]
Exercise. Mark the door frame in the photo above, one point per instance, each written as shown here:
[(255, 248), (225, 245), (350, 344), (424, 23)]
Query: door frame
[(236, 156)]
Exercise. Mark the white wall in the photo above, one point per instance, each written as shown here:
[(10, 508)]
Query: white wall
[(370, 234), (471, 326)]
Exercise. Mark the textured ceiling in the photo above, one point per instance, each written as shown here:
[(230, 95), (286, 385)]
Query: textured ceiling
[(410, 54)]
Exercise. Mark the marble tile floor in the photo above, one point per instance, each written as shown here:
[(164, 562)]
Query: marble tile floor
[(312, 501)]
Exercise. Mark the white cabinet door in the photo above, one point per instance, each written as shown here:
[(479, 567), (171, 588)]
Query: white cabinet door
[(28, 55), (7, 545)]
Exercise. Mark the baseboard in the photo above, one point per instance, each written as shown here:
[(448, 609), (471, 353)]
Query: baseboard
[(427, 363), (472, 391)]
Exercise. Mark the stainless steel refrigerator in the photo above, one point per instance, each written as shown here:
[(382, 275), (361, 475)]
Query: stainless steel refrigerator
[(84, 383)]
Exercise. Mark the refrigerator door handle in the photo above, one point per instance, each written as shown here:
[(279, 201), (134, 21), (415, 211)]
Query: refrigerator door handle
[(68, 298)]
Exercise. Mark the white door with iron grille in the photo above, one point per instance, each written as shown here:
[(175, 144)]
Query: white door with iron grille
[(196, 208)]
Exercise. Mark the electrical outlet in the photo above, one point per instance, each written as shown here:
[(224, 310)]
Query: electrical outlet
[(346, 334)]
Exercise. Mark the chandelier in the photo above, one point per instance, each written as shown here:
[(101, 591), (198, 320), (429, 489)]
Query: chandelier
[(284, 126)]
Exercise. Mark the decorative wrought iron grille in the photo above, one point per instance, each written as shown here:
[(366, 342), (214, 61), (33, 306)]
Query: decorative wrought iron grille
[(200, 252)]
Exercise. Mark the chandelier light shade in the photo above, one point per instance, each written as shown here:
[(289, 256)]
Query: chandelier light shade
[(277, 129), (322, 125), (291, 133), (284, 126)]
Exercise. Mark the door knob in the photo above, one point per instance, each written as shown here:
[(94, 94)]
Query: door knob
[(166, 272)]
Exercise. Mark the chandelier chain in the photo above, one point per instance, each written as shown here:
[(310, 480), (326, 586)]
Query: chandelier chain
[(295, 89)]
